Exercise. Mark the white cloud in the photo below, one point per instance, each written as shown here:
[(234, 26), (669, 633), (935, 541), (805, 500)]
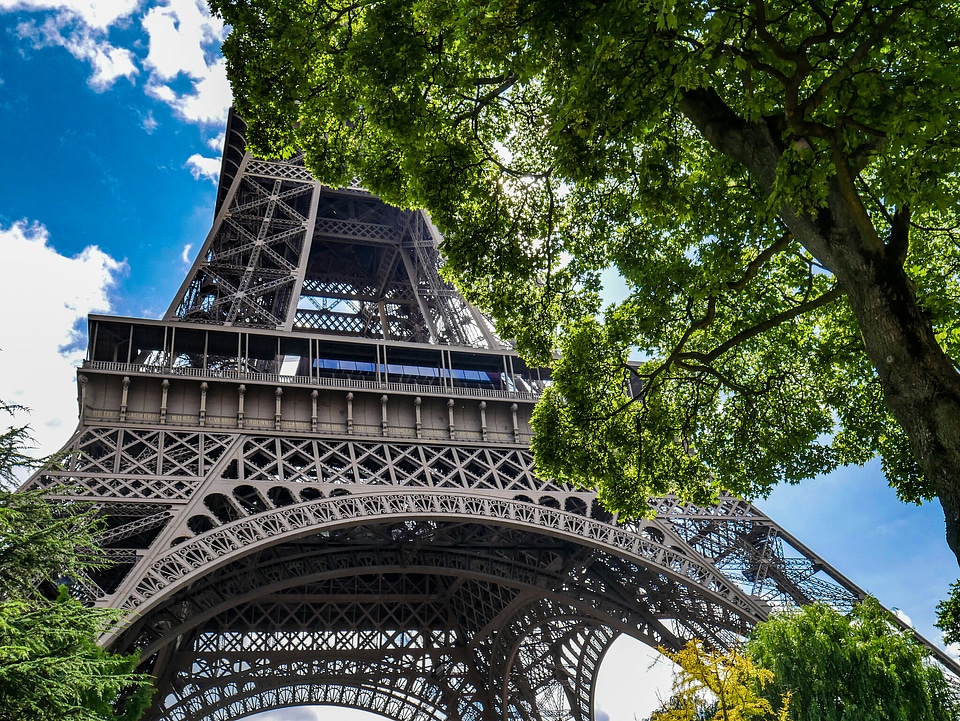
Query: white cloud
[(902, 616), (183, 45), (42, 313), (179, 33), (185, 41), (99, 14), (210, 99), (162, 92), (185, 255), (108, 62), (201, 167), (217, 142), (148, 122)]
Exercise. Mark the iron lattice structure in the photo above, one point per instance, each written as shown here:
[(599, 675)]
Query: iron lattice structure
[(318, 488)]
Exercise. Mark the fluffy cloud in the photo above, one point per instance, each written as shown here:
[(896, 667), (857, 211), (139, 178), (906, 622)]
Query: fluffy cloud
[(97, 14), (179, 32), (42, 314), (184, 42), (209, 101), (201, 167), (217, 142), (181, 59), (108, 63)]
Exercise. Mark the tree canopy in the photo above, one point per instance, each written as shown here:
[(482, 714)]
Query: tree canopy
[(860, 667), (51, 668), (813, 664), (775, 181), (948, 615)]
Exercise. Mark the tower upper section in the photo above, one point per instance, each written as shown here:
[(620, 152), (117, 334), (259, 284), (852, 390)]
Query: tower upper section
[(286, 253)]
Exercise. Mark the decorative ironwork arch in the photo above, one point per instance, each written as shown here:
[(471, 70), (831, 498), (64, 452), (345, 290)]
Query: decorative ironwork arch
[(378, 687), (197, 556)]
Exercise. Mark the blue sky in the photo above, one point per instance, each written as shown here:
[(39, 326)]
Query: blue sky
[(111, 119)]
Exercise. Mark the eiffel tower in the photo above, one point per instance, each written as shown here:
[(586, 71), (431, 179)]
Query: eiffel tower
[(318, 490)]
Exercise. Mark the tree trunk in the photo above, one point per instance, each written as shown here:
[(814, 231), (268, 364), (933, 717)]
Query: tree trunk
[(921, 386)]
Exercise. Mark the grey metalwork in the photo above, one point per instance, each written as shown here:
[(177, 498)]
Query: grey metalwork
[(318, 489)]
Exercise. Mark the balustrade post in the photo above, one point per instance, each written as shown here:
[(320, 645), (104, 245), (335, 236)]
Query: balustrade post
[(164, 390), (203, 403), (241, 390), (419, 426), (123, 398)]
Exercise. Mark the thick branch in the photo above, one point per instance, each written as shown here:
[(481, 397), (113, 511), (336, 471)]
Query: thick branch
[(754, 267), (899, 239), (750, 144), (846, 187), (484, 100), (856, 57), (745, 335)]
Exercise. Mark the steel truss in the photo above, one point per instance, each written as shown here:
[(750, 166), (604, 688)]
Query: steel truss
[(317, 489)]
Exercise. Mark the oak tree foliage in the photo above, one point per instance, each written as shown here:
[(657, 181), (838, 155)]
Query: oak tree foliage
[(774, 180)]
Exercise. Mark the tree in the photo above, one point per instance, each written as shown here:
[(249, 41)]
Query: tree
[(718, 686), (51, 668), (775, 181), (813, 664), (860, 667), (948, 615)]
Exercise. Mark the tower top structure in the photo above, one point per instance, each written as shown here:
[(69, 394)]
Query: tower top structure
[(287, 254)]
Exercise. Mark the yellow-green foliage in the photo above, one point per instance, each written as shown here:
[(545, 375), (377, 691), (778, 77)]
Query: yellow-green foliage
[(718, 686)]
